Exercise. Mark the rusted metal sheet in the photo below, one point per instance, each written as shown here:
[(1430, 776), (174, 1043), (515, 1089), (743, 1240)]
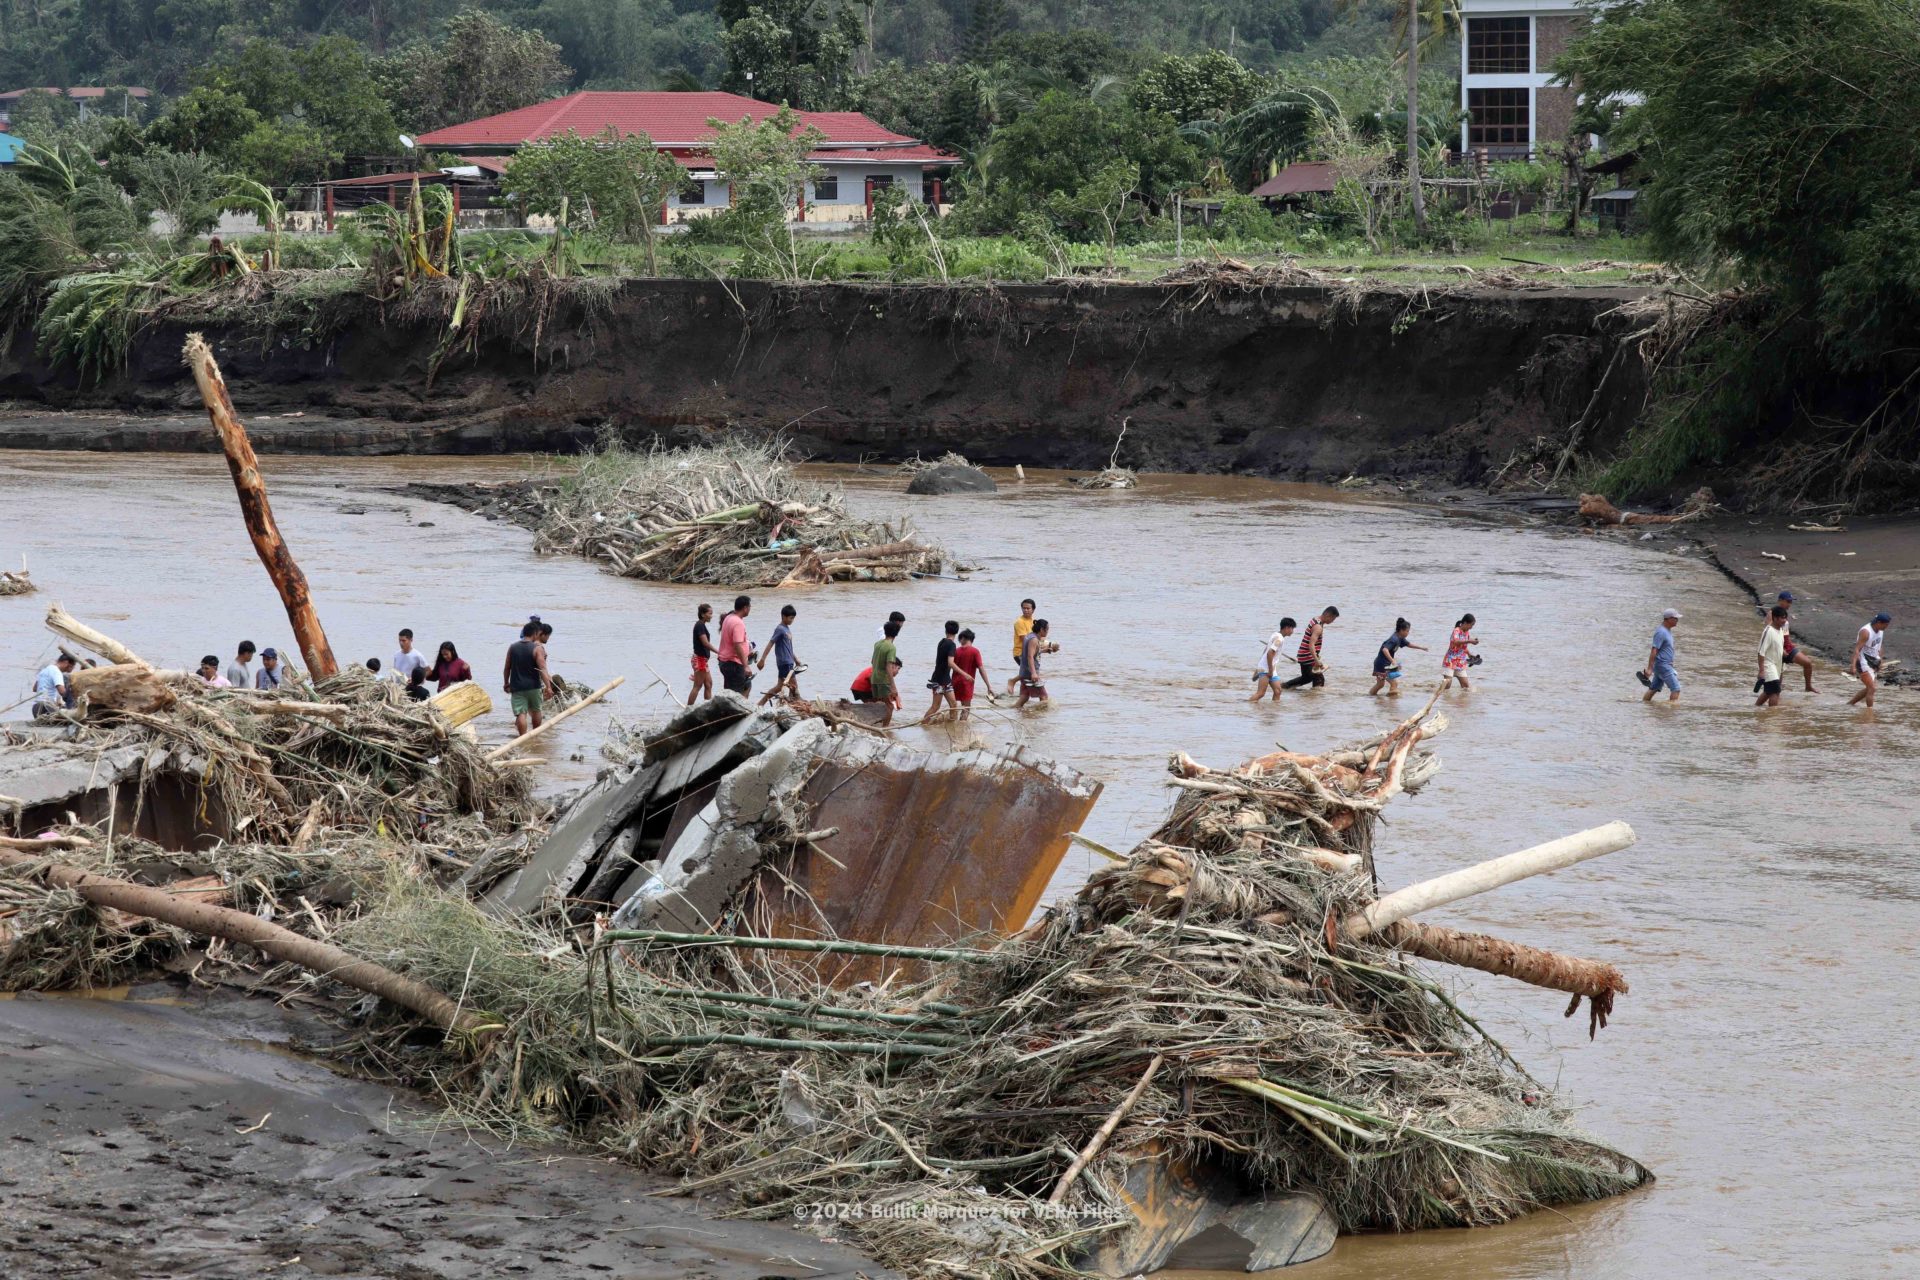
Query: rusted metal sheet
[(931, 847)]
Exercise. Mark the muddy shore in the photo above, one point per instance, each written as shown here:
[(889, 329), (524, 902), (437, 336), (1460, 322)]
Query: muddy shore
[(125, 1152), (1839, 580), (1308, 382)]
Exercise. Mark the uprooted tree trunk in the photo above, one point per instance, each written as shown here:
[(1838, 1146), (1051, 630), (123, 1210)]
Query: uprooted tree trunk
[(288, 580), (238, 926), (1536, 965)]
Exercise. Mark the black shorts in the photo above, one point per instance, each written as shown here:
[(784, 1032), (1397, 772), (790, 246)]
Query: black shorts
[(863, 695), (1770, 687), (941, 686), (734, 677)]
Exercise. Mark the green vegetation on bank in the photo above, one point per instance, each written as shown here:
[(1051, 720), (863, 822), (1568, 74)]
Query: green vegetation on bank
[(1779, 139)]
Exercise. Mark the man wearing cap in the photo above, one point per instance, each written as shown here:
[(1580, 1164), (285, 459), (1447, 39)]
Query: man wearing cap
[(1796, 656), (1659, 673), (268, 677), (1866, 656)]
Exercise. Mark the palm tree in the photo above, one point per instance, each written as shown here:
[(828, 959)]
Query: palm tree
[(1276, 128), (1440, 15)]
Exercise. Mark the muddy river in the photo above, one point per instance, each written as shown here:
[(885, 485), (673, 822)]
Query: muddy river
[(1762, 1064)]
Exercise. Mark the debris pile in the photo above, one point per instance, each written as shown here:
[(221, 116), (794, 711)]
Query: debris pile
[(731, 514), (16, 582), (796, 820), (1596, 511), (1114, 476), (1227, 1008)]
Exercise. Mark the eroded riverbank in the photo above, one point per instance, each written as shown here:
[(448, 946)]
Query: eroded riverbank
[(1308, 382), (1756, 1065)]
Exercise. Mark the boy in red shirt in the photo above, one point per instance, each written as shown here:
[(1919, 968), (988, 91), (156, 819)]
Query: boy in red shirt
[(969, 669)]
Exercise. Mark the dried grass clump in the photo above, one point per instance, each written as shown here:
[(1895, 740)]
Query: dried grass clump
[(736, 513)]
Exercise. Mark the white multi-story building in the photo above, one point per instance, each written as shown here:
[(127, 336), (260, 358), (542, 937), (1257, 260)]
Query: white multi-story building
[(1506, 68)]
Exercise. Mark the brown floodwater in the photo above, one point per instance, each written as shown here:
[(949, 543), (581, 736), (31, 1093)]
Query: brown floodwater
[(1763, 1062)]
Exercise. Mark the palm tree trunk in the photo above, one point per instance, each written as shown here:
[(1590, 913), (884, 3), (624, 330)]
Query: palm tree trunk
[(1413, 117)]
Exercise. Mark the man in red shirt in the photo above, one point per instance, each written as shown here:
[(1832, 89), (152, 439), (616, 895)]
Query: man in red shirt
[(733, 653), (969, 670)]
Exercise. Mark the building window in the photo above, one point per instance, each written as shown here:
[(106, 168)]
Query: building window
[(1499, 46), (694, 192), (827, 187), (878, 182), (1498, 120)]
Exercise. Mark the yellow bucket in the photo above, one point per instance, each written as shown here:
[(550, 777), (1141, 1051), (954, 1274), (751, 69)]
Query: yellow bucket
[(462, 702)]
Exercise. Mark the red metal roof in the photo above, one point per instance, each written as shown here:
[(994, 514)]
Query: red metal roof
[(77, 92), (671, 120), (1312, 177)]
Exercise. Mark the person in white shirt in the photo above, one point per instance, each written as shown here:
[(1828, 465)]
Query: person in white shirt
[(1772, 656), (407, 661), (52, 693), (1866, 657), (210, 673), (1265, 679)]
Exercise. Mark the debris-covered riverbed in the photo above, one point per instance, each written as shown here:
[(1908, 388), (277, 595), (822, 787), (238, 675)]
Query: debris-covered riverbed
[(1751, 1065)]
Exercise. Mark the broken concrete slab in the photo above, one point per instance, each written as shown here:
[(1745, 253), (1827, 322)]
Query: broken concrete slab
[(586, 827), (144, 789), (723, 845), (1190, 1216)]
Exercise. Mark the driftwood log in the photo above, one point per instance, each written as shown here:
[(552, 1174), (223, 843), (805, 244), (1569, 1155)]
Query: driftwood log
[(288, 580), (1540, 967), (238, 926), (68, 627)]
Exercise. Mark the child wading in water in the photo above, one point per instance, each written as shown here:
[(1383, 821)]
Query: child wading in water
[(702, 651), (969, 672), (1457, 659), (1265, 679), (1386, 662)]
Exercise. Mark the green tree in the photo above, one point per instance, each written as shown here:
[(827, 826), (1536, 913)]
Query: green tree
[(1777, 141), (612, 184), (324, 91), (1062, 150), (211, 121), (1098, 203), (987, 21), (480, 67), (1205, 86), (186, 186), (283, 153), (765, 166), (799, 52)]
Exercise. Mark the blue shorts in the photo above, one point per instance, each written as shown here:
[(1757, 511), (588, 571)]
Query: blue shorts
[(1261, 673), (1391, 673), (1665, 677)]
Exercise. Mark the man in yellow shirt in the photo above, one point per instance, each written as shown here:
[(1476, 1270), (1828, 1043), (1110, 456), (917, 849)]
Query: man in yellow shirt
[(1022, 628)]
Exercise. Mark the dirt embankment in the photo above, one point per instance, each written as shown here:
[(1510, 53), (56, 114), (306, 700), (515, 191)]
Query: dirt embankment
[(1295, 381)]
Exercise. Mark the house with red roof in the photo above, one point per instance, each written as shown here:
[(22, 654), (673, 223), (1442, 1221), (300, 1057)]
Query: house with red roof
[(855, 159)]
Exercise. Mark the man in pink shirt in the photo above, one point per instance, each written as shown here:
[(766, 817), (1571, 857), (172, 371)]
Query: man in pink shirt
[(733, 652)]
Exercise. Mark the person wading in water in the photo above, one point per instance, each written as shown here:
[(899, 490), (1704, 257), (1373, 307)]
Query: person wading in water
[(526, 679)]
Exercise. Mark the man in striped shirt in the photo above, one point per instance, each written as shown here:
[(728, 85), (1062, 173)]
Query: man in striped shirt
[(1308, 654)]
